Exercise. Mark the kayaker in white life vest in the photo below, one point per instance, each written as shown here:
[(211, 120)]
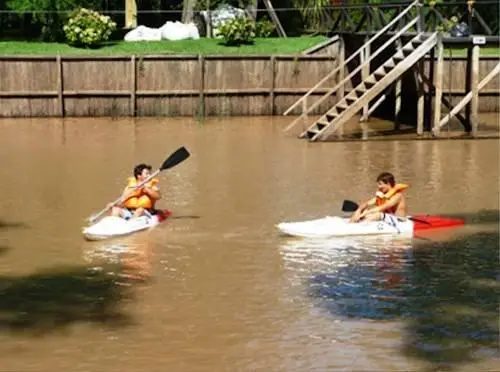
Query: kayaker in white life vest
[(389, 200), (138, 202)]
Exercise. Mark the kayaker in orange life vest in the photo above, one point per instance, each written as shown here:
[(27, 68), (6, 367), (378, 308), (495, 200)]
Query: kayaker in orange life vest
[(388, 200), (139, 201)]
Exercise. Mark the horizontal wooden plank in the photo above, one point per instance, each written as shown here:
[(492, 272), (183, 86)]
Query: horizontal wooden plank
[(22, 94), (101, 93), (208, 92)]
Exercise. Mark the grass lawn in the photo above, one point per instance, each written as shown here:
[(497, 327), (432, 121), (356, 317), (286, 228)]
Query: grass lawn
[(264, 46)]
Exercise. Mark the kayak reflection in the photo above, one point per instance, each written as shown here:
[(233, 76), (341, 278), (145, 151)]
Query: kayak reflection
[(128, 259), (355, 277)]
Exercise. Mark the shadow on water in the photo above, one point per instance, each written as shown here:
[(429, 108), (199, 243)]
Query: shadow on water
[(185, 217), (10, 225), (445, 292), (53, 299), (484, 216)]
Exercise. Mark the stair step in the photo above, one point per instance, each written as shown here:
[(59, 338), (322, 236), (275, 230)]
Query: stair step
[(311, 133), (370, 80), (369, 84), (406, 51), (389, 65), (379, 73), (320, 124), (341, 107), (331, 117), (399, 56), (359, 92)]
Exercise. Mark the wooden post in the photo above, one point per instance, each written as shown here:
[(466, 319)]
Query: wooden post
[(60, 86), (341, 60), (133, 85), (430, 89), (438, 83), (421, 19), (420, 98), (468, 88), (201, 66), (365, 72), (475, 90), (273, 77)]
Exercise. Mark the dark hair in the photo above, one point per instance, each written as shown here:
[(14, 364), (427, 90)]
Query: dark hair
[(386, 177), (139, 168)]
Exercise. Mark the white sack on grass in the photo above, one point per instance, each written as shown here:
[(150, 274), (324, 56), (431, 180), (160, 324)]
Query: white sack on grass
[(169, 31)]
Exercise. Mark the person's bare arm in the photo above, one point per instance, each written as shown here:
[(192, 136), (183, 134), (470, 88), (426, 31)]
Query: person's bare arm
[(361, 209), (392, 202), (153, 192)]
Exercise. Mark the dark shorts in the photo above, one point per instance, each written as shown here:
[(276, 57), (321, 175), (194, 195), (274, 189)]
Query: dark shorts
[(150, 210)]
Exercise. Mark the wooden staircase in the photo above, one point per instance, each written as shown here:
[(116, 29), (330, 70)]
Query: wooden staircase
[(371, 87), (376, 85)]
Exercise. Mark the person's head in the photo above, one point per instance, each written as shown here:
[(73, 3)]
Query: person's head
[(385, 181), (142, 171)]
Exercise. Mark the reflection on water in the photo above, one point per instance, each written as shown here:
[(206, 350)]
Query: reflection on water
[(446, 291), (131, 257), (354, 277)]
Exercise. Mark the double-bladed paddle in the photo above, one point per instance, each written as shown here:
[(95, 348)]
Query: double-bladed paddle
[(350, 206), (175, 158)]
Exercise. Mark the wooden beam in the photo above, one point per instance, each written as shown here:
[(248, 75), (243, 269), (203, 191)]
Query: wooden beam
[(365, 71), (60, 86), (438, 83), (475, 91), (420, 97), (468, 97), (275, 18)]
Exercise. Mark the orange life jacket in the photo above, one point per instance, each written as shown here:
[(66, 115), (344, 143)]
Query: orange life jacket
[(381, 199), (139, 199)]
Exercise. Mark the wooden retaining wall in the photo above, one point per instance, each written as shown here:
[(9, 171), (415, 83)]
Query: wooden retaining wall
[(181, 85)]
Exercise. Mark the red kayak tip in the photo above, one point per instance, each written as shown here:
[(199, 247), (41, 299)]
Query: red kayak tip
[(424, 222)]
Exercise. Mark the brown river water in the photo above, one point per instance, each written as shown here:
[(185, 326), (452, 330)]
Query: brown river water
[(217, 288)]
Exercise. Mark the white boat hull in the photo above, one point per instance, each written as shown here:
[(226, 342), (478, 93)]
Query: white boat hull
[(111, 227), (329, 227)]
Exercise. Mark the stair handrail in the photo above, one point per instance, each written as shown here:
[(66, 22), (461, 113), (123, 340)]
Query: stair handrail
[(355, 71), (373, 38)]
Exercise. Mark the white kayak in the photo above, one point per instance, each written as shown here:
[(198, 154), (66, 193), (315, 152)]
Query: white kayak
[(332, 226), (111, 226)]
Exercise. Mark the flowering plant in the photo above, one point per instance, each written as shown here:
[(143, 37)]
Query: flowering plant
[(88, 28), (236, 31)]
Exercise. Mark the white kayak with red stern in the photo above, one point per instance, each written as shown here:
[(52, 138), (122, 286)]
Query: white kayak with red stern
[(111, 226), (332, 226)]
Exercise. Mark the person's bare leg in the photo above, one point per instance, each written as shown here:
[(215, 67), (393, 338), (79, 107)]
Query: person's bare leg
[(377, 216), (138, 212), (116, 212)]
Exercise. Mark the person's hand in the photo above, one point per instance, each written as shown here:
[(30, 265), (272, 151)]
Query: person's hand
[(110, 205), (355, 217)]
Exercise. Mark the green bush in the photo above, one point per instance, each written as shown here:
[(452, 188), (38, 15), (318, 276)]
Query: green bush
[(87, 28), (236, 31), (264, 28)]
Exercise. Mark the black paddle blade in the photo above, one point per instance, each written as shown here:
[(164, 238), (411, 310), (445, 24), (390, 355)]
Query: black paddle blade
[(177, 157), (349, 206)]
